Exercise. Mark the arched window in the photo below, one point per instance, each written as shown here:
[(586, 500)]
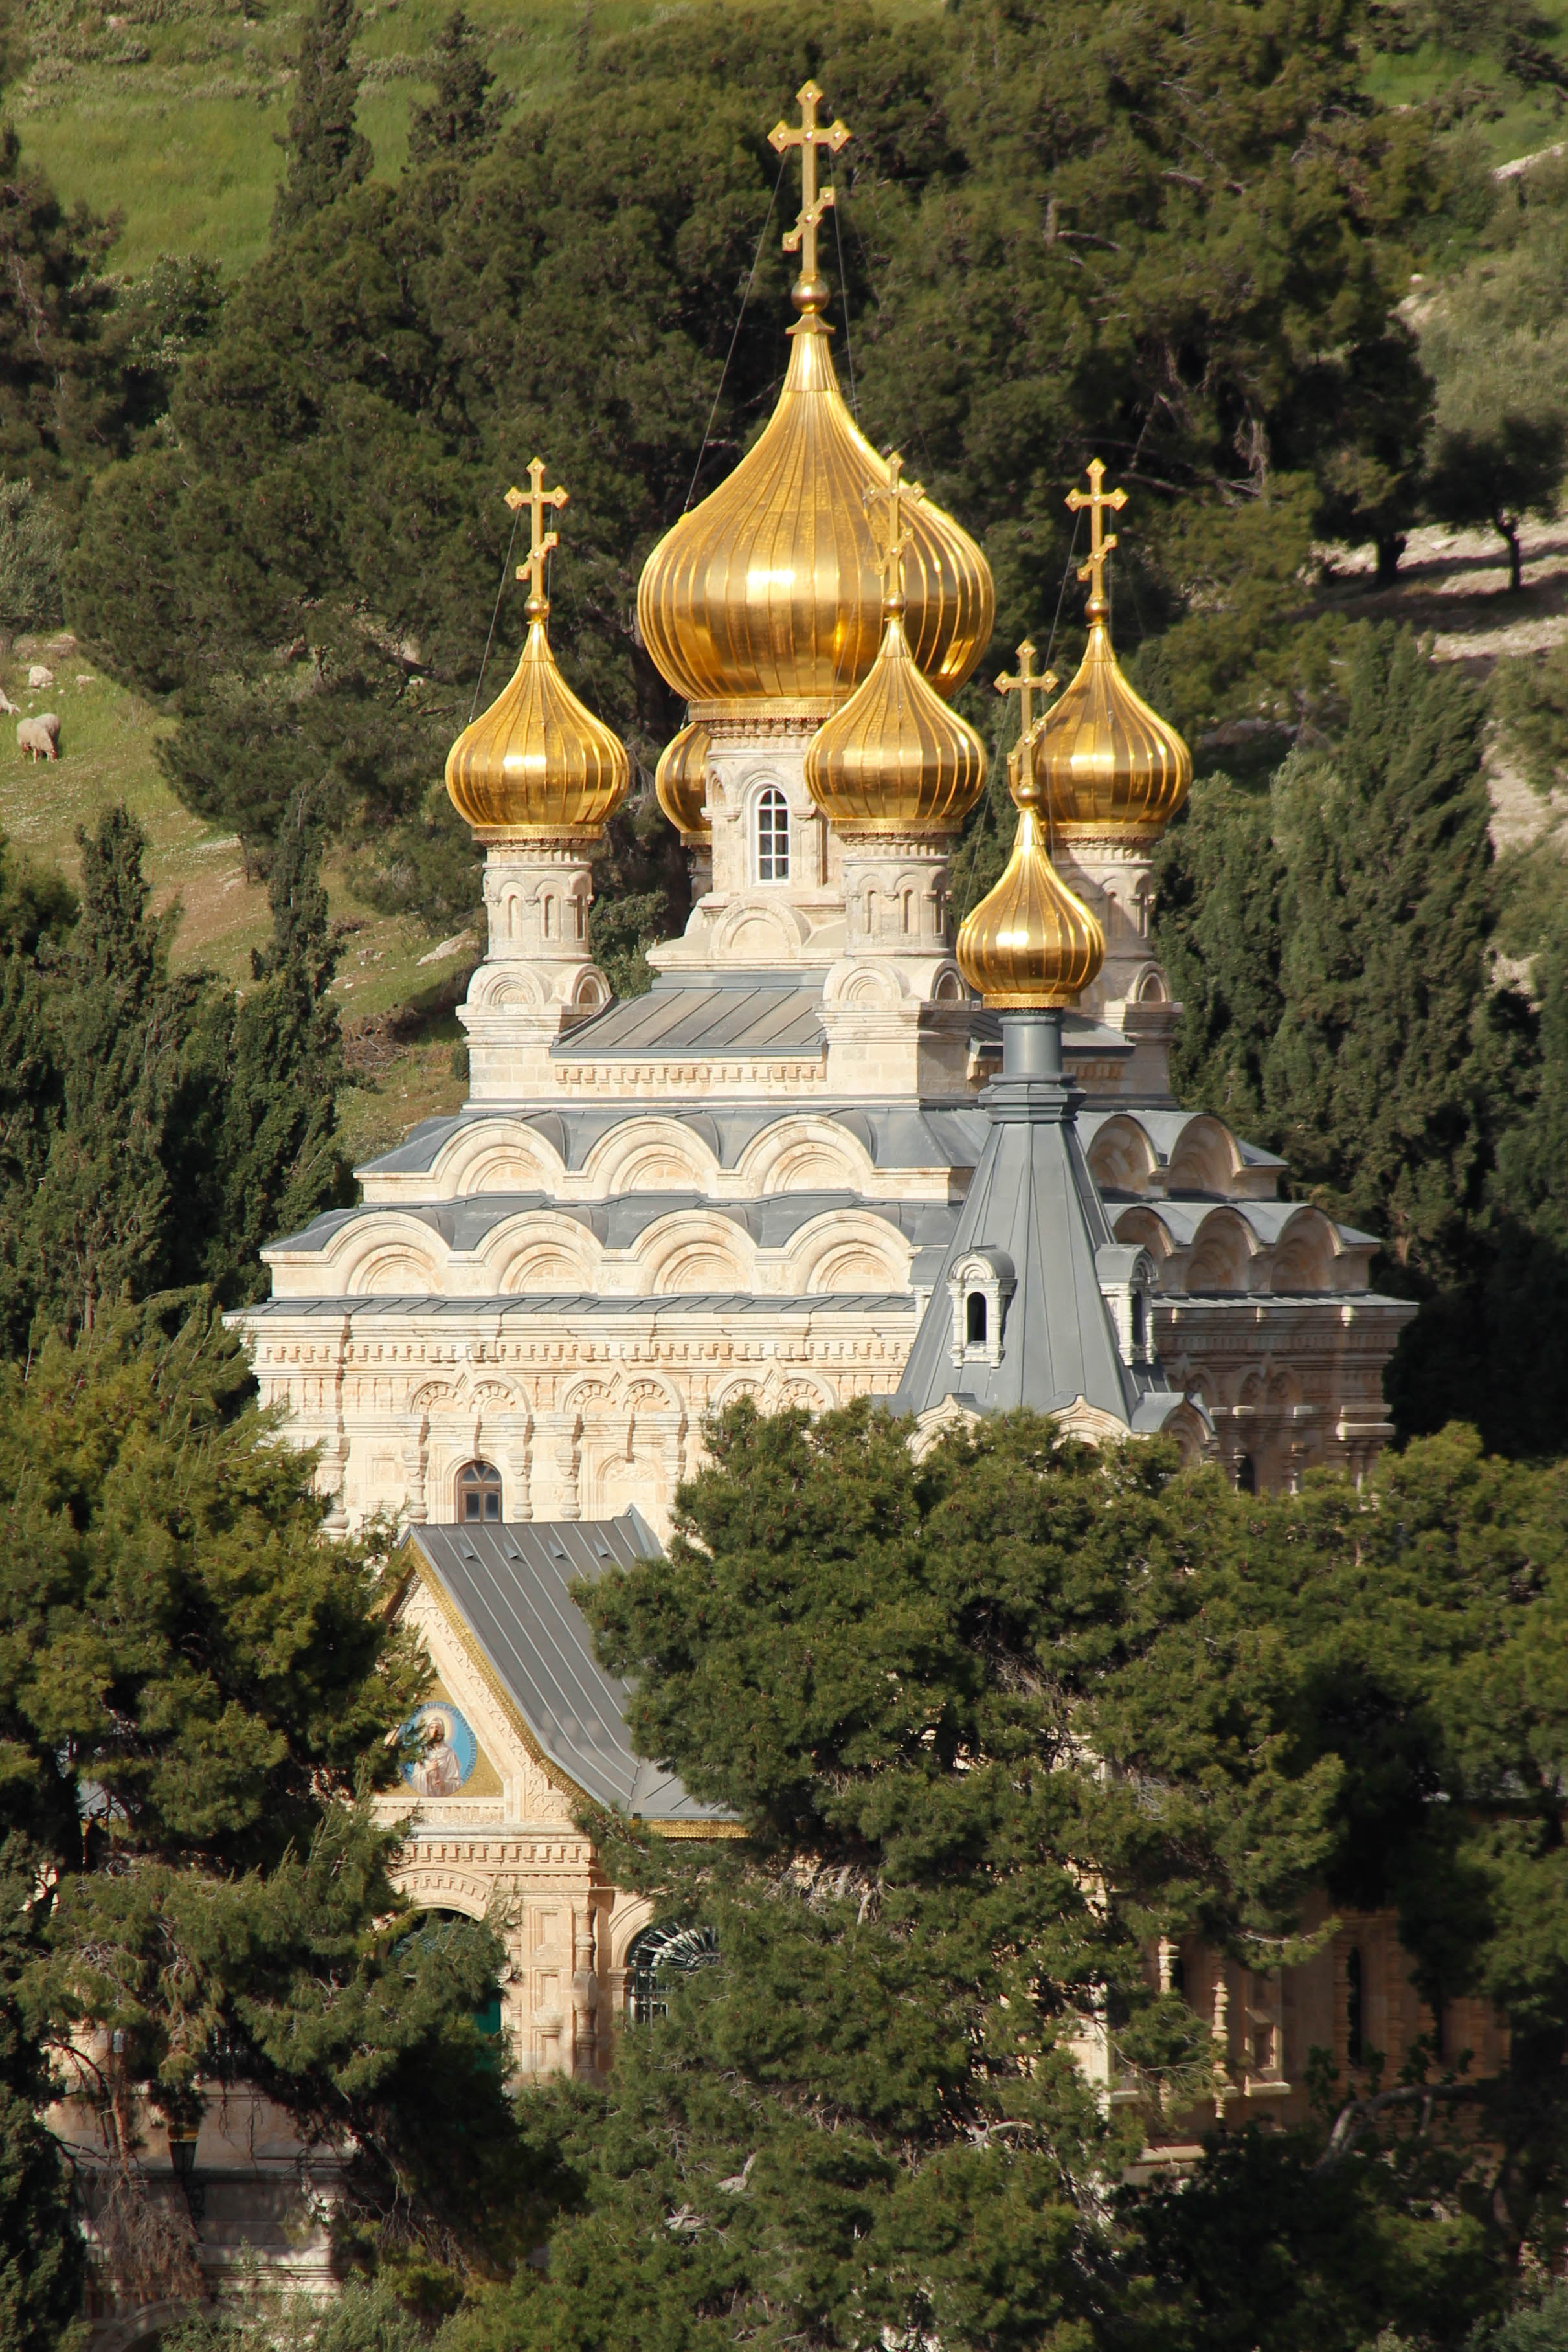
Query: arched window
[(478, 1492), (1247, 1475), (659, 1955), (974, 1319), (1355, 2029), (773, 836)]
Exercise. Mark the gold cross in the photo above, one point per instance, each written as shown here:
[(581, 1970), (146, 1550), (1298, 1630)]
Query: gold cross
[(1028, 682), (1101, 542), (895, 534), (808, 138), (541, 541)]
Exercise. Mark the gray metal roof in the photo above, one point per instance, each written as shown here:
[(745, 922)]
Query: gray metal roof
[(510, 1586), (895, 1135), (1034, 1205), (746, 1012), (618, 1221), (891, 1304)]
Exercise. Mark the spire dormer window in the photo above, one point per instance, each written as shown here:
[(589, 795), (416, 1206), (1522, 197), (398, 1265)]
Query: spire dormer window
[(773, 836)]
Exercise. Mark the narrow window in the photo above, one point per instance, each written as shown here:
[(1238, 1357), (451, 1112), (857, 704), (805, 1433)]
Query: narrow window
[(549, 915), (1247, 1475), (773, 836), (1140, 1323), (1355, 2038), (478, 1492), (974, 1319)]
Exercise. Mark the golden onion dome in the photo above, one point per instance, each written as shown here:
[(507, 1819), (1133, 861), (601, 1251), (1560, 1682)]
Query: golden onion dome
[(765, 600), (537, 765), (1030, 943), (1106, 762), (680, 780), (895, 757)]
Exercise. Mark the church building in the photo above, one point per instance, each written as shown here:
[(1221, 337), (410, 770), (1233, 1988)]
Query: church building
[(847, 1145)]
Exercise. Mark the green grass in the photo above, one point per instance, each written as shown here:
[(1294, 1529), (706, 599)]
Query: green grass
[(184, 145)]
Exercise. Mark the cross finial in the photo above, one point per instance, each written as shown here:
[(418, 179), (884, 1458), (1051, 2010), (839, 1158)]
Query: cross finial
[(1028, 682), (811, 294), (536, 497), (1101, 540), (891, 529)]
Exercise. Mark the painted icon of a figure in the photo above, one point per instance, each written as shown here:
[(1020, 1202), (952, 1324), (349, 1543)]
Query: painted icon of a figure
[(438, 1773)]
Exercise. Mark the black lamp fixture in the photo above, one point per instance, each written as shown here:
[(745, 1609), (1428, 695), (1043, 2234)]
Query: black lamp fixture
[(182, 2161)]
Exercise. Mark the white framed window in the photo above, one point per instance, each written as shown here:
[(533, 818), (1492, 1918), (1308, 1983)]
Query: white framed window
[(772, 836)]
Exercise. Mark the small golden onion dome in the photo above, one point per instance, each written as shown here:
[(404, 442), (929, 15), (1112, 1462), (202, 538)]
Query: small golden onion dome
[(1030, 943), (537, 763), (680, 780), (895, 757), (765, 600)]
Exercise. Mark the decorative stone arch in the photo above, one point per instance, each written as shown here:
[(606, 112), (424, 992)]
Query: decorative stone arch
[(865, 987), (1122, 1157), (591, 993), (847, 1250), (1194, 1434), (949, 987), (1222, 1255), (495, 1156), (1150, 987), (631, 1448), (694, 1250), (806, 1155), (506, 988), (1148, 1228), (770, 933), (446, 1887), (1305, 1254), (383, 1255), (1205, 1158), (650, 1155), (539, 1250)]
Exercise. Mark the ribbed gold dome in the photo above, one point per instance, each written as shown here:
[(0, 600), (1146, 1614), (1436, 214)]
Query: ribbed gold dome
[(680, 780), (895, 757), (765, 600), (1107, 763), (1030, 943), (537, 763)]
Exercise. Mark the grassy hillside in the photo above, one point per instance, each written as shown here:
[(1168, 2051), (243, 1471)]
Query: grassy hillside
[(396, 985), (170, 111)]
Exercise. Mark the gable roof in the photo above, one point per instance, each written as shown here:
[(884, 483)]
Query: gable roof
[(505, 1591)]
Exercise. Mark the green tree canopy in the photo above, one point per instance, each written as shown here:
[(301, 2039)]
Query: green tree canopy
[(197, 1693), (327, 154), (1174, 239)]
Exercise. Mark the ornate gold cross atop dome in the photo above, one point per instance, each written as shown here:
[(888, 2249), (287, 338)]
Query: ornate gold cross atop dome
[(1101, 540), (808, 137), (891, 529), (1028, 682), (536, 497)]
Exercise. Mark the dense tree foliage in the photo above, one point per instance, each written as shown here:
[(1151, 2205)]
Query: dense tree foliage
[(1332, 940), (327, 155), (907, 1681), (154, 1129), (196, 1694), (1173, 238)]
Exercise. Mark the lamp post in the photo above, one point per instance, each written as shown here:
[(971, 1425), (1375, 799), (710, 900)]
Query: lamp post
[(182, 2161)]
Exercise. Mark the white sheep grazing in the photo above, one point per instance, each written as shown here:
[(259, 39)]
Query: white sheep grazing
[(39, 737)]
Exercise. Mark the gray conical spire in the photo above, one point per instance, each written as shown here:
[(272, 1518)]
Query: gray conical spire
[(1037, 1304)]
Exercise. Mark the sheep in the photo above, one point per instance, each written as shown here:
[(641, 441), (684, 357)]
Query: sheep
[(39, 737)]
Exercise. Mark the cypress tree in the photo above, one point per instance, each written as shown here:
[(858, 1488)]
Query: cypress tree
[(1377, 1077), (464, 116), (274, 1151), (327, 155), (99, 1227)]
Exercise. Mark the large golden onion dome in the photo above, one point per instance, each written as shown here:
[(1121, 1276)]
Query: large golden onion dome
[(681, 782), (895, 759), (1108, 765), (537, 765), (765, 600), (1030, 943)]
